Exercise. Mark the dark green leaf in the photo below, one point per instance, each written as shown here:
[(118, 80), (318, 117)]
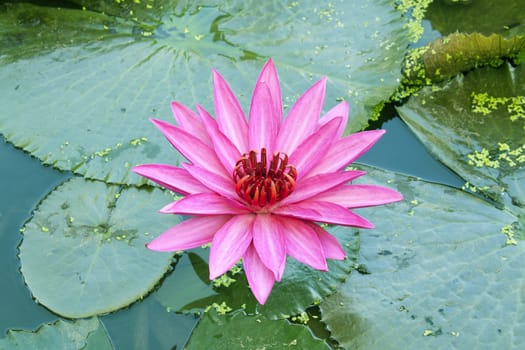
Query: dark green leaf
[(484, 16), (238, 331)]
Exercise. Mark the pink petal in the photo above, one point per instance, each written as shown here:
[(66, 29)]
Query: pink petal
[(189, 234), (212, 181), (190, 122), (268, 240), (226, 151), (229, 244), (230, 116), (171, 177), (331, 247), (358, 196), (326, 212), (204, 204), (340, 110), (192, 148), (260, 278), (314, 148), (318, 184), (263, 126), (303, 118), (345, 151), (269, 76), (302, 243)]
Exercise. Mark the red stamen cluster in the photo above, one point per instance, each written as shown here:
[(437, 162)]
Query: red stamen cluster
[(260, 183)]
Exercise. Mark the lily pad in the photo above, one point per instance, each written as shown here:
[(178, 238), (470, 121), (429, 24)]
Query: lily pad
[(238, 331), (80, 100), (65, 335), (475, 125), (188, 289), (83, 251), (439, 276)]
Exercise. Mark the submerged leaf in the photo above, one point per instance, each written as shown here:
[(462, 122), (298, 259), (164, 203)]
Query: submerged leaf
[(79, 334), (505, 17)]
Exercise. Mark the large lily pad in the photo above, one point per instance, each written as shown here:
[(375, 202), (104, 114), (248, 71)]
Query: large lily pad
[(440, 276), (80, 334), (83, 251), (188, 288), (475, 124), (238, 331), (78, 85)]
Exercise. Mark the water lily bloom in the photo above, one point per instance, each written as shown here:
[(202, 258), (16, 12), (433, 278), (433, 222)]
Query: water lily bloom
[(257, 187)]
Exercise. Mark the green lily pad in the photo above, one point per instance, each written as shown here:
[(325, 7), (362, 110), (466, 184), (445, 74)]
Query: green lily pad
[(440, 276), (475, 125), (65, 335), (238, 331), (83, 251), (188, 289), (81, 100)]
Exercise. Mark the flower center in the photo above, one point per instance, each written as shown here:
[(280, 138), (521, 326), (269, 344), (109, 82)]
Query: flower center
[(261, 183)]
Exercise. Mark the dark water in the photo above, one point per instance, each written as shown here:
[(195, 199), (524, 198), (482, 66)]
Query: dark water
[(24, 181), (399, 150)]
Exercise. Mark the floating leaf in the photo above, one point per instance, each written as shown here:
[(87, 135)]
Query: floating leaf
[(439, 276), (188, 288), (65, 335), (83, 251), (238, 331), (475, 124), (91, 89)]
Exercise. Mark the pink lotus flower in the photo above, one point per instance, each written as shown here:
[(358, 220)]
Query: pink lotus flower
[(257, 188)]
